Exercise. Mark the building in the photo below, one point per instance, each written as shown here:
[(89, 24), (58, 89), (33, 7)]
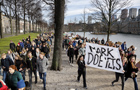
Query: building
[(132, 12), (124, 14), (89, 19)]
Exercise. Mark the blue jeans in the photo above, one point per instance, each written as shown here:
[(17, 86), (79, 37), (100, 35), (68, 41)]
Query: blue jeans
[(44, 78), (4, 75), (135, 82)]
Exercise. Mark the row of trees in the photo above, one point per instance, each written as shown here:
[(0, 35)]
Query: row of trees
[(27, 10)]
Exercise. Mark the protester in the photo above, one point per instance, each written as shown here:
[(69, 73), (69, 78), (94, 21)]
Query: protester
[(21, 65), (45, 50), (32, 67), (81, 70), (76, 48), (82, 50), (71, 54), (18, 49), (42, 64), (11, 55), (124, 62), (12, 46), (132, 71), (5, 63), (124, 47), (12, 78)]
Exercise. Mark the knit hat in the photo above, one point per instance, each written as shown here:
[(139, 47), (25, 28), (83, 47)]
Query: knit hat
[(21, 84)]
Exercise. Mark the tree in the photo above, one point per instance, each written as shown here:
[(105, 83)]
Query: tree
[(106, 9), (59, 23), (84, 21)]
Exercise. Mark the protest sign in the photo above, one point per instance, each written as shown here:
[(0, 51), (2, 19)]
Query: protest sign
[(103, 57)]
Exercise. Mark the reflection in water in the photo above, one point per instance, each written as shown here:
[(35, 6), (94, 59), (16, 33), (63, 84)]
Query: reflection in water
[(129, 38)]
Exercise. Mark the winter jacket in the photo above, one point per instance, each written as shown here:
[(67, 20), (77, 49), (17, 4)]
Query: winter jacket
[(45, 50), (82, 51), (130, 70), (12, 46), (81, 66), (71, 52), (20, 64), (42, 65), (76, 51), (12, 79), (6, 63), (32, 63)]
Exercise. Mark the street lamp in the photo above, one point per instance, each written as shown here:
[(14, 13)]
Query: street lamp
[(1, 31)]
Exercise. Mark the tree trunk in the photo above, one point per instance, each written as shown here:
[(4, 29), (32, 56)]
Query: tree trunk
[(11, 20), (24, 16), (109, 23), (16, 22), (59, 22), (1, 30)]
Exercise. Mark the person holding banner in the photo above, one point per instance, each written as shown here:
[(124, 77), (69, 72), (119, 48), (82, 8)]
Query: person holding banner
[(132, 71), (124, 61), (82, 70)]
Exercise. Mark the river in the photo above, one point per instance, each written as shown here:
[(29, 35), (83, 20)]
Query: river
[(129, 38)]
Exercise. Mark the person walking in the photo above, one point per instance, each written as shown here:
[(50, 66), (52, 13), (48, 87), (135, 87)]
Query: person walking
[(32, 67), (12, 46), (12, 78), (124, 61), (5, 63), (21, 65), (132, 71), (81, 70), (71, 54), (42, 64), (82, 50)]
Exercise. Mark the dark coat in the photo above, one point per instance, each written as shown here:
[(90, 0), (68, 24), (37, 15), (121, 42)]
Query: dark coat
[(81, 66), (32, 64), (130, 70), (18, 49), (12, 79), (6, 63), (20, 64), (12, 46), (71, 52), (76, 50), (45, 50)]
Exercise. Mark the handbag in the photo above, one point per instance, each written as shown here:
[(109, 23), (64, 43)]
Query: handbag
[(133, 75)]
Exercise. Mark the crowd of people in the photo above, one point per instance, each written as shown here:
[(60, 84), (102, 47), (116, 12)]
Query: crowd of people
[(31, 56), (75, 46)]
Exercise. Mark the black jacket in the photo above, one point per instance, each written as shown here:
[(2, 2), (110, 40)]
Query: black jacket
[(45, 50), (6, 63), (20, 64), (12, 46), (71, 52), (32, 64), (81, 66), (130, 70), (76, 50)]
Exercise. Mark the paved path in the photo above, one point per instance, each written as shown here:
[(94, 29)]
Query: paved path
[(66, 79)]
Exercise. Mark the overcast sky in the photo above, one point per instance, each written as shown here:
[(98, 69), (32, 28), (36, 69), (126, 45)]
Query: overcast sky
[(76, 7)]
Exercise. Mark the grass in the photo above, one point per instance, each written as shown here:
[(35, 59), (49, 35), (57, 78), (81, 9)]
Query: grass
[(4, 43)]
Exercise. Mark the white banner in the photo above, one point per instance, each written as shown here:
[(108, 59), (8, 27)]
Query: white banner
[(103, 57)]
